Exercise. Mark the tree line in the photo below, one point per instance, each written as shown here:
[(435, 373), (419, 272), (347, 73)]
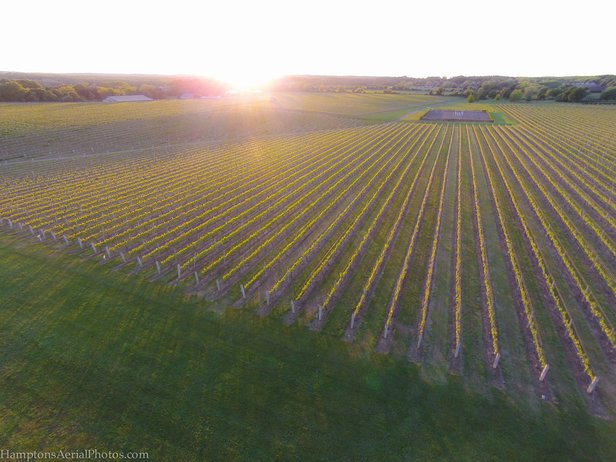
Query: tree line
[(538, 90), (16, 87), (568, 89), (30, 90)]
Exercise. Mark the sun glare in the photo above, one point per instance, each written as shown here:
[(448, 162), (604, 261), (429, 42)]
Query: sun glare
[(246, 81)]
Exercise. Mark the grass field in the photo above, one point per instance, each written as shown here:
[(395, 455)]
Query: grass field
[(361, 105), (54, 130), (330, 262), (93, 358), (69, 129)]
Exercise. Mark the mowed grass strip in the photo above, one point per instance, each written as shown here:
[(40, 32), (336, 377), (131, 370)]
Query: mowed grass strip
[(93, 358)]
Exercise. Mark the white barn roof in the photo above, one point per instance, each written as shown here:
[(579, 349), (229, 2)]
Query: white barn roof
[(126, 98)]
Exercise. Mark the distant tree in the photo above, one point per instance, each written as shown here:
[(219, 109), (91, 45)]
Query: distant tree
[(67, 94), (124, 88), (609, 93), (27, 83), (86, 92), (530, 90), (49, 95), (542, 93), (148, 90), (470, 98), (11, 90), (516, 95), (554, 93), (35, 95), (506, 91), (497, 97), (104, 92), (487, 86), (576, 94)]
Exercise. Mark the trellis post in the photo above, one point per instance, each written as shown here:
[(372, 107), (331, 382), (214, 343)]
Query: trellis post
[(544, 373)]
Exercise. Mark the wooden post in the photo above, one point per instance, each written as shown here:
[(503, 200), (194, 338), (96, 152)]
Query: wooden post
[(10, 223), (457, 352), (107, 251), (139, 262), (267, 297), (496, 360), (243, 291), (592, 385), (196, 278), (419, 341), (544, 372), (93, 247), (78, 242), (385, 331), (53, 236), (157, 266), (122, 257), (320, 312), (218, 284), (292, 306), (20, 226), (31, 230), (65, 239), (179, 271), (353, 320)]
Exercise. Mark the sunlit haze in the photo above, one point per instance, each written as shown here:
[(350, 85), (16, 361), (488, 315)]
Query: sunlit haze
[(247, 43)]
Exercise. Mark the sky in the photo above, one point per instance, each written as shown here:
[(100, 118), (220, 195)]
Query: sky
[(250, 42)]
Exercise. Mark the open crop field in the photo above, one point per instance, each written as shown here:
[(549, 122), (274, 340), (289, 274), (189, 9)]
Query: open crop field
[(365, 106), (408, 258), (67, 129)]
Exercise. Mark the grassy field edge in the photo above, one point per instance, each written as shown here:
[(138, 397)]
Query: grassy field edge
[(95, 358)]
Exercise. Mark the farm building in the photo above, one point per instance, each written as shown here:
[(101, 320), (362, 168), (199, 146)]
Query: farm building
[(126, 99)]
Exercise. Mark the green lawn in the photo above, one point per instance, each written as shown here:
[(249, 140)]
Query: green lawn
[(377, 107), (96, 358)]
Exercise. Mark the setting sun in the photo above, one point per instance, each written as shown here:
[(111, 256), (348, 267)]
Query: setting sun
[(242, 81)]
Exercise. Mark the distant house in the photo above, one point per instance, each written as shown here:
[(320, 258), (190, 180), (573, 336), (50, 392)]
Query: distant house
[(187, 96), (126, 99)]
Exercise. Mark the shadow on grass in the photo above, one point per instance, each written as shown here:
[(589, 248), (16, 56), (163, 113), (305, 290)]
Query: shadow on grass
[(94, 358)]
